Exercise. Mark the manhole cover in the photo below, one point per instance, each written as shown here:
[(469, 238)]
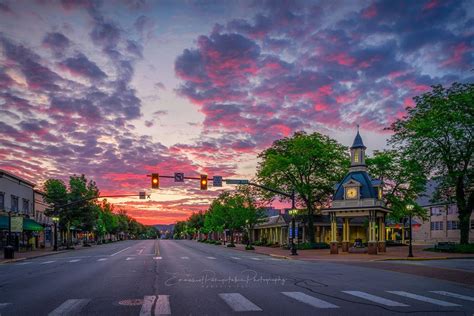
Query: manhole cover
[(131, 302)]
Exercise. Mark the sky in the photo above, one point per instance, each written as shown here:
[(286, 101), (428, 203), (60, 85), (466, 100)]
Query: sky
[(117, 90)]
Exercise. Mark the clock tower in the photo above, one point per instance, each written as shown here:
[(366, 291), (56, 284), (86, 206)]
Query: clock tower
[(358, 195)]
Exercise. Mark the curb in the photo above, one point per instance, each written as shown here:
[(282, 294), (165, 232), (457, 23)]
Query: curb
[(279, 256), (35, 256), (424, 259)]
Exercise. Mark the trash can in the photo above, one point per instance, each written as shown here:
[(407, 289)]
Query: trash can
[(9, 252)]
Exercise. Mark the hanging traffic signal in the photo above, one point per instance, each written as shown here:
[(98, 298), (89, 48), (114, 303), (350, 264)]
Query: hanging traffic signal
[(203, 182), (155, 181)]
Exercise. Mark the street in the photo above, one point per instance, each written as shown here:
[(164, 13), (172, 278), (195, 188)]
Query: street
[(182, 277)]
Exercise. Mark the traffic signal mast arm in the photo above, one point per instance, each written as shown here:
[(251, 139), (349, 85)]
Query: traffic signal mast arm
[(94, 198)]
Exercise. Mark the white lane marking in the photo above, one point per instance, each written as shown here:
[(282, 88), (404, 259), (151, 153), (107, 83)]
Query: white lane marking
[(258, 259), (119, 251), (373, 298), (130, 258), (239, 303), (72, 306), (47, 262), (212, 258), (236, 258), (3, 305), (423, 298), (275, 259), (22, 263), (102, 259), (140, 251), (157, 258), (162, 306), (462, 297), (185, 258), (147, 306), (310, 300), (74, 260)]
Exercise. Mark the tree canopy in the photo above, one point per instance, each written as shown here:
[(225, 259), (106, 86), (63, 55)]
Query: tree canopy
[(438, 133), (310, 164)]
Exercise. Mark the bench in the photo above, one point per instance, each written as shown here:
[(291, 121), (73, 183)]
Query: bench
[(445, 246)]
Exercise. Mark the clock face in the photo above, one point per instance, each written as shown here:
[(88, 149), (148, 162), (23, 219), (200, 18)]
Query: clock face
[(351, 193)]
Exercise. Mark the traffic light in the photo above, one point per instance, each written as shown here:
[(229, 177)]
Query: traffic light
[(203, 182), (155, 181)]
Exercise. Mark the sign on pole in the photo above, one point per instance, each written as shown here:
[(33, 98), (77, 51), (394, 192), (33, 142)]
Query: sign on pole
[(217, 181), (17, 224), (235, 181), (290, 233), (178, 177), (142, 195)]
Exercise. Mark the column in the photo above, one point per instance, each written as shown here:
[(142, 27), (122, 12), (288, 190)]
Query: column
[(382, 238), (372, 249), (334, 249), (345, 235)]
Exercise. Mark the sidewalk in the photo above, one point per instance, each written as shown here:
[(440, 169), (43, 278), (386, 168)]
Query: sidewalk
[(393, 253), (19, 256)]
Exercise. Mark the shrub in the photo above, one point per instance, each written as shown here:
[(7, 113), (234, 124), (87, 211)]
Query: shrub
[(217, 243), (230, 245), (309, 245), (469, 248), (249, 247)]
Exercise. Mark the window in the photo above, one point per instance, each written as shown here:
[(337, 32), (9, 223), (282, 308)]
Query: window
[(2, 201), (356, 155), (26, 206), (437, 210), (453, 225), (452, 209), (14, 204), (380, 193), (472, 223), (437, 225)]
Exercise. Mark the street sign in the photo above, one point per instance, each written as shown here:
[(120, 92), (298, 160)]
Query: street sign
[(178, 177), (235, 181), (217, 181), (17, 224), (142, 195)]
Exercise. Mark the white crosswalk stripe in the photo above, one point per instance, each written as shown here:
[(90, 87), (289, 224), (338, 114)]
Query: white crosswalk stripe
[(236, 258), (157, 258), (424, 298), (48, 262), (375, 299), (455, 295), (212, 258), (72, 306), (23, 263), (102, 259), (130, 258), (239, 303), (3, 305), (256, 259), (185, 258), (310, 300), (161, 303), (74, 260)]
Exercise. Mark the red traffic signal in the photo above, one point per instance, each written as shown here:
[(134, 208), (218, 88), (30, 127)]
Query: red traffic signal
[(155, 181), (203, 182)]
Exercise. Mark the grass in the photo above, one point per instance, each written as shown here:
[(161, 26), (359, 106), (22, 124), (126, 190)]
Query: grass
[(469, 248)]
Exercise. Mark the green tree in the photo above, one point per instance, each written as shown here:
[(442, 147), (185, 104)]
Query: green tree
[(403, 181), (438, 133), (310, 164)]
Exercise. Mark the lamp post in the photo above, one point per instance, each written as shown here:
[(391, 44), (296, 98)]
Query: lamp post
[(410, 214), (293, 213), (248, 232), (55, 220)]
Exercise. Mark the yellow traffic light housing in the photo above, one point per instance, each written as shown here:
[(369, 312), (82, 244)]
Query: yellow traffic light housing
[(155, 181), (203, 182)]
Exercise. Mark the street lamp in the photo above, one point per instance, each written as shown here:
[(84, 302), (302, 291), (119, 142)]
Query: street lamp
[(293, 213), (410, 214), (248, 232), (55, 220)]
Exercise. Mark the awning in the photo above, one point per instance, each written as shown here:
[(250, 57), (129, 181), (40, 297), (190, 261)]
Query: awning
[(28, 224)]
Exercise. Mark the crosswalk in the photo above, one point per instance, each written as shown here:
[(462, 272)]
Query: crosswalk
[(398, 301)]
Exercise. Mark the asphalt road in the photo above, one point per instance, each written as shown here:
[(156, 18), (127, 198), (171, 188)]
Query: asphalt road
[(189, 278)]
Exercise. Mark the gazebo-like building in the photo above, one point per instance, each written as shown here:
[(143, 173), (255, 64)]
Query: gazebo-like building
[(356, 196)]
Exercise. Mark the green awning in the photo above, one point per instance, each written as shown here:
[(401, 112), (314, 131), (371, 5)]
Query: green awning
[(28, 224)]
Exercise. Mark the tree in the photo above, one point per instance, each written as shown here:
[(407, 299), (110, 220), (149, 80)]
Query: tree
[(310, 164), (403, 181), (438, 133)]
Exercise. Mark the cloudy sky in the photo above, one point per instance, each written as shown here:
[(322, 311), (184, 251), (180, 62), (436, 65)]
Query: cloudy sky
[(119, 89)]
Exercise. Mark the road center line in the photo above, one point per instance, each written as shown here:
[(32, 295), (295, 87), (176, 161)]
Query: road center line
[(119, 251)]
